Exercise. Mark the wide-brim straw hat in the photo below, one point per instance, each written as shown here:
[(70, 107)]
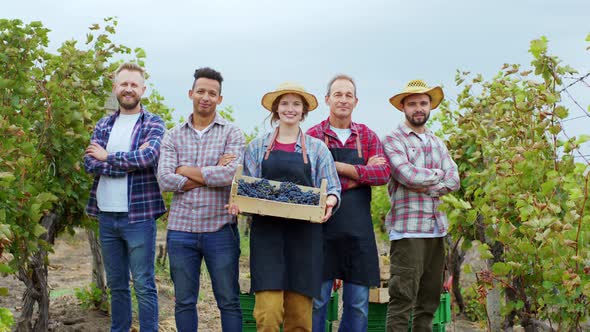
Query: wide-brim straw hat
[(289, 87), (415, 87)]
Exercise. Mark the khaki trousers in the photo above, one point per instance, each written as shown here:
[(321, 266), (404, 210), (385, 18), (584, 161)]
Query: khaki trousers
[(415, 284), (276, 307)]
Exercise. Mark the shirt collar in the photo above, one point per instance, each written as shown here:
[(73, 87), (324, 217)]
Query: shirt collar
[(327, 130), (407, 130), (217, 120), (115, 115)]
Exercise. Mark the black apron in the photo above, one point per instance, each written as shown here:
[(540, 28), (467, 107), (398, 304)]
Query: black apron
[(286, 254), (350, 249)]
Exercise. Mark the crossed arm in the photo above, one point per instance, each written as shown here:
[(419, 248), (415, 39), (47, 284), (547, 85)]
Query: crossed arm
[(434, 182), (116, 164), (375, 172), (172, 176)]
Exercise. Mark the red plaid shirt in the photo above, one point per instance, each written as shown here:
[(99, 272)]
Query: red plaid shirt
[(375, 175), (418, 164)]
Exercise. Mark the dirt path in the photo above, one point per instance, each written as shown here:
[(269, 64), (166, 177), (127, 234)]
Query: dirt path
[(70, 268)]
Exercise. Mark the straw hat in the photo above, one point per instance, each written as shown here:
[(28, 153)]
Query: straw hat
[(418, 86), (289, 87)]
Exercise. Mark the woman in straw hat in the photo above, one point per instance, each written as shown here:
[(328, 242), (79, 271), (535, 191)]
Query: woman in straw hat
[(286, 255)]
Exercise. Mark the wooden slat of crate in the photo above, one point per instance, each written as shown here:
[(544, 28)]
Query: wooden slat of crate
[(313, 213), (384, 268), (378, 295)]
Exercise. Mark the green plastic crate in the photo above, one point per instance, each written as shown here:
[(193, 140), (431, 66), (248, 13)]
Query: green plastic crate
[(332, 314), (247, 305), (248, 327), (443, 313), (328, 326)]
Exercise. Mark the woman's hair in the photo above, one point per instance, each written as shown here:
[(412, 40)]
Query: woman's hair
[(274, 117)]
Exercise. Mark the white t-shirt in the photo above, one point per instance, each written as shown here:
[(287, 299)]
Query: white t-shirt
[(200, 133), (111, 194), (425, 139), (342, 133)]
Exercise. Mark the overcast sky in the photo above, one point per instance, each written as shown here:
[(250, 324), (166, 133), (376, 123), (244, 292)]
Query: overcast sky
[(382, 44)]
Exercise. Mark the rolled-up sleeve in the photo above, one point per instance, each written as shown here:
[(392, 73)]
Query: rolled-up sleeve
[(326, 169), (252, 158), (167, 177), (373, 175), (450, 181)]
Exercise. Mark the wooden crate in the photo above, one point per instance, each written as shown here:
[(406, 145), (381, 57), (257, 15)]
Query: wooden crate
[(313, 213)]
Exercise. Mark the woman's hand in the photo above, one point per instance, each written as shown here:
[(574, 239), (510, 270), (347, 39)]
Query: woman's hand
[(233, 209), (331, 201)]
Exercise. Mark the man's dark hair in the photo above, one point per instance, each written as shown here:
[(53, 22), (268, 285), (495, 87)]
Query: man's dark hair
[(209, 73), (404, 98)]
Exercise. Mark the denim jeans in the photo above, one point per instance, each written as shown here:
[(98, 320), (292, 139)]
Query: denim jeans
[(221, 251), (129, 247), (355, 313)]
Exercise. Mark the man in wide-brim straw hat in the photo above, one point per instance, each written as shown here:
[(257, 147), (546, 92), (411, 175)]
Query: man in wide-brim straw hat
[(421, 171)]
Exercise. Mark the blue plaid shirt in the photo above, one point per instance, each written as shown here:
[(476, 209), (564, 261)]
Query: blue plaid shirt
[(145, 199)]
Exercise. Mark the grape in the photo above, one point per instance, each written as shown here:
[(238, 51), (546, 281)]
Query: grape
[(287, 192)]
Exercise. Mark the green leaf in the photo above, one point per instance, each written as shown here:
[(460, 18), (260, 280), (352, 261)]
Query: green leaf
[(526, 247), (561, 112), (526, 211), (467, 269), (4, 229), (582, 139), (15, 101), (484, 251), (501, 269), (556, 129), (6, 176), (39, 230), (6, 319), (5, 269), (5, 83), (140, 53), (3, 291), (538, 46), (44, 198)]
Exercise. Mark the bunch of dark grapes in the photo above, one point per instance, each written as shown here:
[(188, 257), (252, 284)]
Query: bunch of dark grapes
[(287, 192)]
